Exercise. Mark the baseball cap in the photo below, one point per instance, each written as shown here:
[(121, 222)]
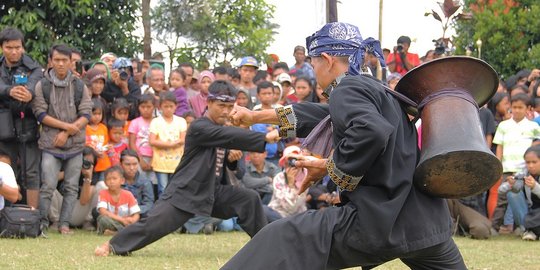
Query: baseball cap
[(293, 149), (249, 61), (121, 62), (284, 77)]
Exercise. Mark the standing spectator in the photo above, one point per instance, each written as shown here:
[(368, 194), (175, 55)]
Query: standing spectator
[(95, 81), (139, 136), (167, 136), (221, 73), (140, 187), (513, 137), (280, 67), (198, 103), (120, 111), (177, 80), (402, 60), (155, 77), (188, 70), (303, 89), (76, 60), (108, 58), (116, 206), (18, 77), (62, 104), (117, 140), (97, 137), (8, 184), (301, 65), (123, 85), (247, 70)]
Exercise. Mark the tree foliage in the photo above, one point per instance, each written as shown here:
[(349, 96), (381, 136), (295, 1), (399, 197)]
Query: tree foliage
[(215, 30), (92, 26), (509, 31)]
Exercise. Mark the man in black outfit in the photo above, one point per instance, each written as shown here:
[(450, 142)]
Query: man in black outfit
[(198, 186), (383, 215)]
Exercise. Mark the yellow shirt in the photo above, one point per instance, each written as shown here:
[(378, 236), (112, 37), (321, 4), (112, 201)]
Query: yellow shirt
[(166, 160)]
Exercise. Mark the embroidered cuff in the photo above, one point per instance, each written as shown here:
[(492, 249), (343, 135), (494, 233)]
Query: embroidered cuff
[(287, 121), (343, 180)]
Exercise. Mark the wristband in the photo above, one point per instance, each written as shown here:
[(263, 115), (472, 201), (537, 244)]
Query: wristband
[(87, 180)]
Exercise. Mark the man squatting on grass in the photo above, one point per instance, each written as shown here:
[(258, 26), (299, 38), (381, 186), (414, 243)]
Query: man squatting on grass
[(197, 187), (384, 216)]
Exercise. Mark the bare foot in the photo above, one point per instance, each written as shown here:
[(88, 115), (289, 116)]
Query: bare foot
[(103, 251), (109, 232)]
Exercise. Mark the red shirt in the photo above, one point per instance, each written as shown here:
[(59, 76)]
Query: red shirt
[(411, 57)]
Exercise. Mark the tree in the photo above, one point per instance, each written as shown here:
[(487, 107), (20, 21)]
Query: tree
[(147, 23), (215, 30), (509, 31), (92, 26)]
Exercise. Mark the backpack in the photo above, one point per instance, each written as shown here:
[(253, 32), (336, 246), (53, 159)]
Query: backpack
[(46, 87)]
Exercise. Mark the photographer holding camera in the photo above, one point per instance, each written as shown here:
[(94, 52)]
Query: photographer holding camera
[(401, 61), (122, 84), (18, 135)]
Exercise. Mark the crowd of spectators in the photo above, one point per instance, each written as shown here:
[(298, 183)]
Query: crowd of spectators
[(94, 146)]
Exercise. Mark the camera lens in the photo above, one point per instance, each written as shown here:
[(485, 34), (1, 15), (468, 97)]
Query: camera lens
[(399, 47), (123, 75), (292, 162), (86, 164)]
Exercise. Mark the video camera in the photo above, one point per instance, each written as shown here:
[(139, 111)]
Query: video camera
[(124, 75)]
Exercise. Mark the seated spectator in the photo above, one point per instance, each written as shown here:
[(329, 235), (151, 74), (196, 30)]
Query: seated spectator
[(259, 175), (468, 221), (89, 189), (285, 198), (8, 184), (117, 207), (523, 194), (140, 187), (323, 194)]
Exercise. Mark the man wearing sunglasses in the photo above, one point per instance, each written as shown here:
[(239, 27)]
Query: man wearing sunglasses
[(198, 187)]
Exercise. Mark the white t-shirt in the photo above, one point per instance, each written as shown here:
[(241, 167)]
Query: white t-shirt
[(8, 177)]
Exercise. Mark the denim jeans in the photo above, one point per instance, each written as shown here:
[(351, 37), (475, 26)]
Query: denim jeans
[(162, 181), (519, 206), (50, 167)]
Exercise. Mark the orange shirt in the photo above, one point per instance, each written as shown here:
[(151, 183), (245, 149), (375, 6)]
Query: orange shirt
[(126, 132), (98, 138)]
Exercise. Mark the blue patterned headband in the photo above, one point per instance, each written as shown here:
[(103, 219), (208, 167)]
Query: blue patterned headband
[(343, 39)]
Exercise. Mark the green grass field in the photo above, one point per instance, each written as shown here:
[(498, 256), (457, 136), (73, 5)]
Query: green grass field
[(184, 251)]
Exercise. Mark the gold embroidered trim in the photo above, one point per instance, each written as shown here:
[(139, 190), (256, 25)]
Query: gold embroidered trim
[(343, 180)]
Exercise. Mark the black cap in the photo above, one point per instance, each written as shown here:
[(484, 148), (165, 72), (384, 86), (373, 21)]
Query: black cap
[(404, 39)]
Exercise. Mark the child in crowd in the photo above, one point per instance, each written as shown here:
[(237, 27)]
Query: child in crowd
[(8, 184), (243, 99), (139, 135), (177, 81), (513, 137), (97, 137), (199, 102), (120, 111), (265, 94), (189, 116), (116, 140), (167, 136), (116, 206), (278, 93), (303, 89)]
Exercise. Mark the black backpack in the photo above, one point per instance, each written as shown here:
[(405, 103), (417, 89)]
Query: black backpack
[(46, 87)]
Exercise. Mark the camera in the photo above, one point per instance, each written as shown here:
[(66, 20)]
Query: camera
[(520, 179), (87, 164), (79, 67), (440, 47), (124, 75), (20, 79), (399, 47), (292, 162)]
